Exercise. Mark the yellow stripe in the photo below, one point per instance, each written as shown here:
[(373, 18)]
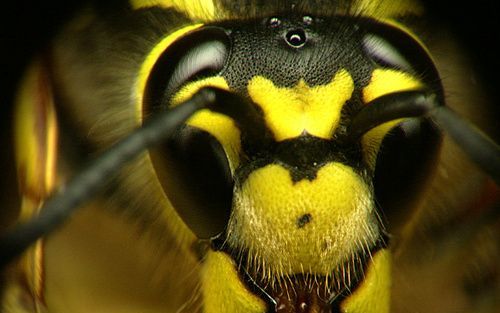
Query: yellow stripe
[(223, 291), (218, 125), (384, 82), (374, 294)]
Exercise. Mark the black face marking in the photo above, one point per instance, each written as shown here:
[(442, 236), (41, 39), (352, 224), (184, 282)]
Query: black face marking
[(303, 220), (302, 156), (286, 49)]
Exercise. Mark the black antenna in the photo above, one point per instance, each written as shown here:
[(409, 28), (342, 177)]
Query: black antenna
[(90, 180), (423, 104)]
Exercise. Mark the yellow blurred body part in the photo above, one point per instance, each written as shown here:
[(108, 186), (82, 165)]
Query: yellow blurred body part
[(220, 268), (128, 250), (374, 295), (36, 152)]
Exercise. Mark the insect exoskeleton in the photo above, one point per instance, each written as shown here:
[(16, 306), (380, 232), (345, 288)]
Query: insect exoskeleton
[(294, 132), (302, 226)]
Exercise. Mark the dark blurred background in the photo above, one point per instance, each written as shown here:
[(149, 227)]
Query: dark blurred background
[(27, 25)]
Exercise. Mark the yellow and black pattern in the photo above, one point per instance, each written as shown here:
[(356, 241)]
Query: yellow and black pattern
[(268, 205)]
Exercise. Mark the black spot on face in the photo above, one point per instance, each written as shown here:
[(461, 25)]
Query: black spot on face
[(303, 220)]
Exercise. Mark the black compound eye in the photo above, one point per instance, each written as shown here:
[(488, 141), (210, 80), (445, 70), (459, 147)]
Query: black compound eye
[(401, 167), (199, 54), (384, 53), (391, 47), (192, 166), (194, 172), (205, 58), (296, 38)]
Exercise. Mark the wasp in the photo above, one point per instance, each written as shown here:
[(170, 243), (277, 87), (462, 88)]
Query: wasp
[(244, 156)]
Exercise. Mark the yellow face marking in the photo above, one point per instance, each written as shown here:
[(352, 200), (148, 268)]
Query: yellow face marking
[(268, 219), (150, 61), (388, 81), (291, 111), (197, 10), (384, 82), (374, 293), (223, 291), (219, 125)]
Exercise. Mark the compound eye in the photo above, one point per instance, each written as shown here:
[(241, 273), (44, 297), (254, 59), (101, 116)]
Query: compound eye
[(199, 54), (192, 166), (391, 47), (411, 147), (384, 53), (194, 172)]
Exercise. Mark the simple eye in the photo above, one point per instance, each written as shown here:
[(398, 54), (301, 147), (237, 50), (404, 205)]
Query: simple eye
[(192, 166), (384, 53), (199, 54)]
